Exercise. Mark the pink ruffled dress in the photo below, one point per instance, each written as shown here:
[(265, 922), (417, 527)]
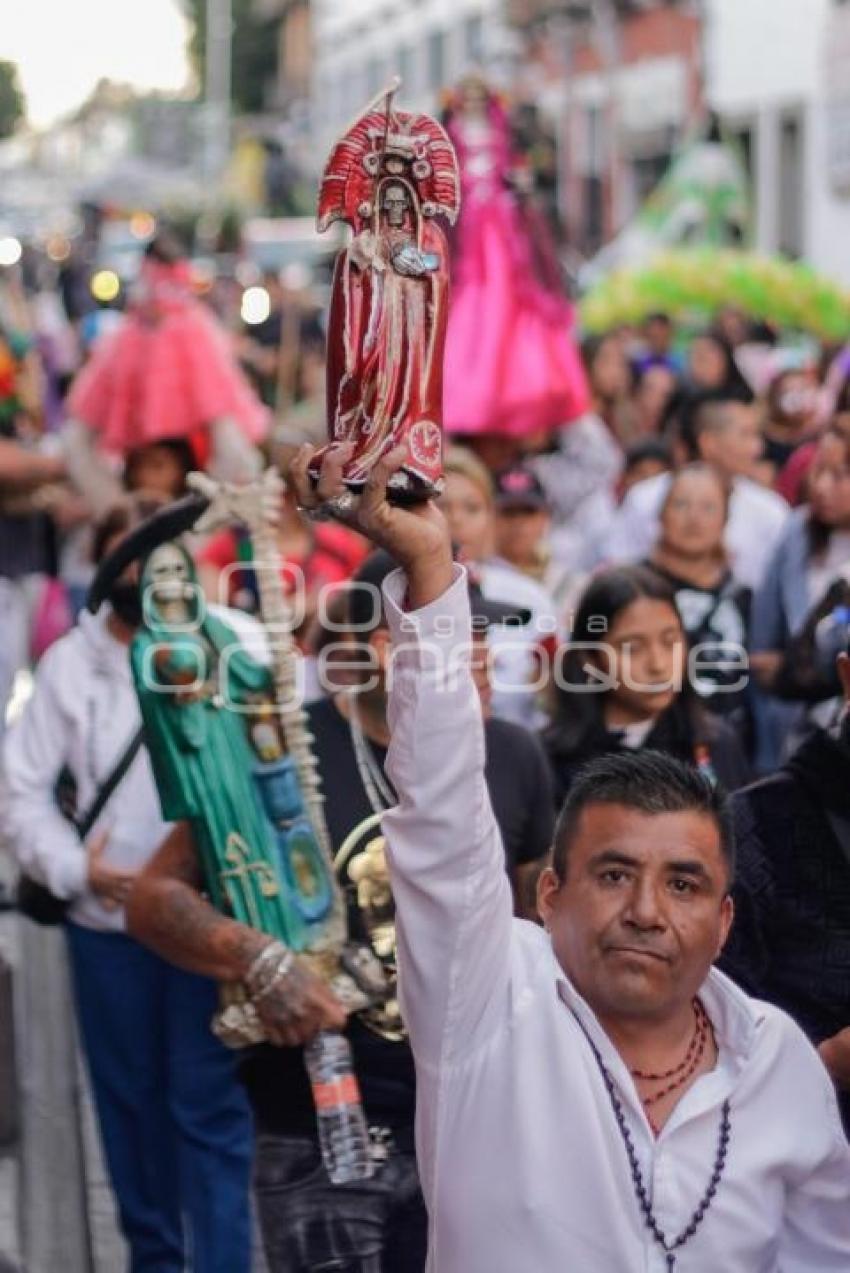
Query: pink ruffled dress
[(511, 364), (167, 371)]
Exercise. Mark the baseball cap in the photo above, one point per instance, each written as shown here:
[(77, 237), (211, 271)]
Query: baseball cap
[(362, 607), (519, 487)]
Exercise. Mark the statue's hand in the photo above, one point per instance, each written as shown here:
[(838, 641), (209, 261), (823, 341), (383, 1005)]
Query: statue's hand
[(298, 1006), (417, 536), (408, 260)]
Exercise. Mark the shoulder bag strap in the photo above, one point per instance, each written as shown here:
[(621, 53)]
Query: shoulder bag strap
[(109, 785)]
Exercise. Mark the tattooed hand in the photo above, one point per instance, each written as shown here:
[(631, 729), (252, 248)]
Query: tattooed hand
[(298, 1006)]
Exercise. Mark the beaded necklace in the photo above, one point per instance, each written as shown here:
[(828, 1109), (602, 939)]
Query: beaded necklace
[(670, 1249), (678, 1075)]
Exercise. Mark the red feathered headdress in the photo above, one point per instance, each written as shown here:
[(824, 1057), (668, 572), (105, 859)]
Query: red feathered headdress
[(383, 143)]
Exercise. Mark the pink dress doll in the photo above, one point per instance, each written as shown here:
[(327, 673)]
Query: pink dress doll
[(166, 372), (511, 366)]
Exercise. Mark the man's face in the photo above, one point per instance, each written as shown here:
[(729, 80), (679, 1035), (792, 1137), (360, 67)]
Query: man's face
[(694, 516), (735, 446), (643, 912)]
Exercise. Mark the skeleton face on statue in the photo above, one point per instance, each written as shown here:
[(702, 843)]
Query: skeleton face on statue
[(395, 203), (168, 574)]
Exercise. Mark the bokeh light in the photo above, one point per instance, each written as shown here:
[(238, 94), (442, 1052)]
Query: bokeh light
[(58, 248), (142, 225), (256, 305), (10, 251), (105, 286)]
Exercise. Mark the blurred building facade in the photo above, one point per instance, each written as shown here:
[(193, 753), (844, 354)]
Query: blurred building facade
[(621, 83), (358, 47), (778, 73)]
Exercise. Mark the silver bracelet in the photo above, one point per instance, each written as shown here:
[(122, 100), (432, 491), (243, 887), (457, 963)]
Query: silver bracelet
[(282, 971), (266, 967)]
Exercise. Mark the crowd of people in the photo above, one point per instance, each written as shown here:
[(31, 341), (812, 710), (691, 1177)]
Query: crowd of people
[(668, 574)]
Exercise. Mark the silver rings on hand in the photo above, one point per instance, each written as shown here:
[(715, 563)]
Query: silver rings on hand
[(344, 503)]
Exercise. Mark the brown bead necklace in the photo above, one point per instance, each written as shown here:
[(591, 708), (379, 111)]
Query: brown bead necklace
[(678, 1075)]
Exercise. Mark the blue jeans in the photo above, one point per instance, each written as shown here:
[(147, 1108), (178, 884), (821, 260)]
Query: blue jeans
[(174, 1120)]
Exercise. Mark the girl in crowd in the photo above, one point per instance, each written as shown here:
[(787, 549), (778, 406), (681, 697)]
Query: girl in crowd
[(791, 411), (623, 684), (811, 554), (174, 1121), (691, 556), (612, 385), (712, 365)]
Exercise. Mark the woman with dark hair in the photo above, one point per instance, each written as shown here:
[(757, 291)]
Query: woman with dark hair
[(612, 384), (791, 410), (812, 552), (712, 365), (623, 684)]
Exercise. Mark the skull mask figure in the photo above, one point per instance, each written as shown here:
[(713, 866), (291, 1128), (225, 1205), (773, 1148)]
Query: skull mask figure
[(395, 203), (168, 572)]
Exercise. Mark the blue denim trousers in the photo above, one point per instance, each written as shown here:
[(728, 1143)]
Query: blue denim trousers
[(175, 1122), (312, 1226)]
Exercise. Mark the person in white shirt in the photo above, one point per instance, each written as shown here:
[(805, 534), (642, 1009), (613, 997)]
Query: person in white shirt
[(174, 1120), (724, 433), (593, 1096)]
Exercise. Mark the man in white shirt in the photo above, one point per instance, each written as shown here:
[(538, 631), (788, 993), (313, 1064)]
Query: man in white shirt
[(594, 1097), (724, 433)]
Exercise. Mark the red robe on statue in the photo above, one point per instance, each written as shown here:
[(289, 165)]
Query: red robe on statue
[(389, 177)]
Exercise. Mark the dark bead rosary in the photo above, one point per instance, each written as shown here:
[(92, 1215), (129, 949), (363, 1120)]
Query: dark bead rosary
[(670, 1249)]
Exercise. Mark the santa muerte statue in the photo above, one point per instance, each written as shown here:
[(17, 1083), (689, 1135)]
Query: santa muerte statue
[(390, 177)]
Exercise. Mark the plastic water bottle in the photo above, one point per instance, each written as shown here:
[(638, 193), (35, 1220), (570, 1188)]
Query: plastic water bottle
[(341, 1123)]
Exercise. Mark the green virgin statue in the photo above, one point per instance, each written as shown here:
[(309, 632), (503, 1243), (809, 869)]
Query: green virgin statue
[(230, 749), (197, 686)]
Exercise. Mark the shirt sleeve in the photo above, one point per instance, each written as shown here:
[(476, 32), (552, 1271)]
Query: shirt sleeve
[(35, 749), (453, 899)]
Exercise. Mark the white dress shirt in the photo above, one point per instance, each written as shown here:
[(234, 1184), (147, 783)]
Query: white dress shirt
[(523, 1166), (757, 517)]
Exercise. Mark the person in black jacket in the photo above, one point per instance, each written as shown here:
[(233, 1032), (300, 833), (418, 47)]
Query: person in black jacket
[(624, 684), (790, 942)]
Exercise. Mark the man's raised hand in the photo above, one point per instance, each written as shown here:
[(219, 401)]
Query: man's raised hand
[(416, 535)]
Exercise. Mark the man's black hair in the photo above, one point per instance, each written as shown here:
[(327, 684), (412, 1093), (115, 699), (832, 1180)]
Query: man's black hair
[(701, 413), (649, 782)]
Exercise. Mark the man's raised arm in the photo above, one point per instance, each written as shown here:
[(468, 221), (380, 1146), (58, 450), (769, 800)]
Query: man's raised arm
[(453, 899)]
